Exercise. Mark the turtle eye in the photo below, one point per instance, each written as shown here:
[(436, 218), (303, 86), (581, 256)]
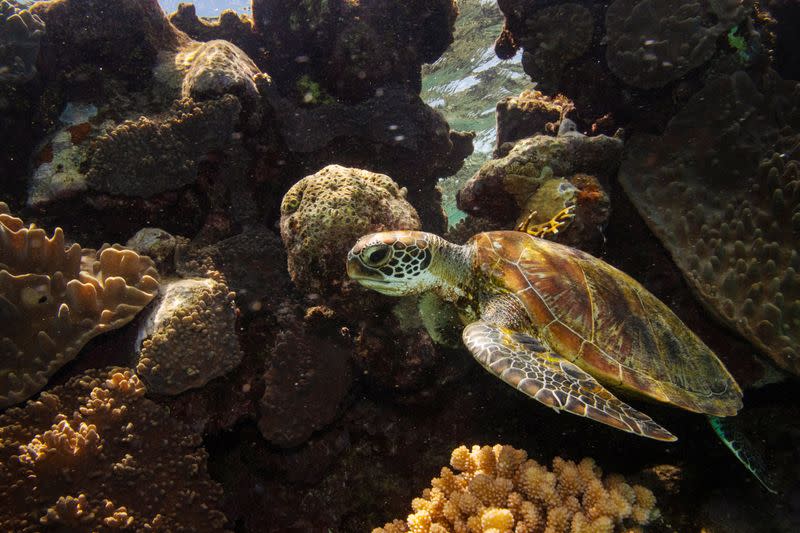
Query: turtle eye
[(377, 256)]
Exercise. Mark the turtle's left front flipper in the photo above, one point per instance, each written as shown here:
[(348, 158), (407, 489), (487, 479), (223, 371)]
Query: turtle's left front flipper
[(523, 362)]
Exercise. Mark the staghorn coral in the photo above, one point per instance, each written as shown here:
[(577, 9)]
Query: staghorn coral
[(322, 215), (651, 42), (53, 299), (20, 34), (498, 489), (96, 455), (189, 336), (148, 156), (720, 188)]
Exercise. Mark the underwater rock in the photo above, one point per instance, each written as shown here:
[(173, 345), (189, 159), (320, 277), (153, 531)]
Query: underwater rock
[(651, 43), (499, 489), (551, 37), (229, 26), (354, 48), (117, 38), (188, 337), (20, 34), (157, 244), (55, 298), (531, 113), (322, 215), (721, 190), (95, 454), (502, 189), (307, 377)]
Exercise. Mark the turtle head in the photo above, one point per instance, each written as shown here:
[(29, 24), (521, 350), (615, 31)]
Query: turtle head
[(397, 263)]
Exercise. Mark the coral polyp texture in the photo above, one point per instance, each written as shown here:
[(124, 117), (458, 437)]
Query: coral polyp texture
[(55, 298), (498, 489), (189, 337), (322, 215), (721, 189), (96, 455), (651, 42), (20, 34)]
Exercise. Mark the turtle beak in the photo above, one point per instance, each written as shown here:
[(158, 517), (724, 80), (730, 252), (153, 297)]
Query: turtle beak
[(357, 271)]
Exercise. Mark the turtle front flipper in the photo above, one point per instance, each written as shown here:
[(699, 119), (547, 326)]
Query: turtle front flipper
[(523, 362)]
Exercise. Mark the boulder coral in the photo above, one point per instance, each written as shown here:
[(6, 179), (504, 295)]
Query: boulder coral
[(720, 188), (189, 336), (95, 455), (498, 489), (20, 34), (531, 113), (54, 298), (322, 215)]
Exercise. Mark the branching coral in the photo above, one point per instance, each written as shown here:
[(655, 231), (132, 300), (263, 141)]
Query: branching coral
[(498, 489), (95, 454), (322, 215), (721, 189), (189, 338), (53, 299), (20, 33)]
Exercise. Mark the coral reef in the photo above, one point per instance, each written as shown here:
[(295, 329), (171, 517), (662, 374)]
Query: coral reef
[(188, 337), (157, 244), (322, 215), (355, 47), (720, 190), (95, 454), (153, 155), (87, 40), (541, 175), (230, 26), (20, 33), (55, 298), (531, 113), (306, 380), (651, 43), (499, 489)]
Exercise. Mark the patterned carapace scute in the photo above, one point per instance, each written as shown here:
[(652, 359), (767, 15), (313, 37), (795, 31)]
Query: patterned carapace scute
[(721, 190), (54, 298)]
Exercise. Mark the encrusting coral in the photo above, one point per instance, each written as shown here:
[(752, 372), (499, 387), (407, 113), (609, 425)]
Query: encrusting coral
[(96, 455), (54, 298), (498, 489), (322, 215), (721, 190), (189, 337)]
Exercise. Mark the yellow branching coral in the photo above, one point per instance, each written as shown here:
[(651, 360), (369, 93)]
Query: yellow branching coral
[(499, 490), (54, 298)]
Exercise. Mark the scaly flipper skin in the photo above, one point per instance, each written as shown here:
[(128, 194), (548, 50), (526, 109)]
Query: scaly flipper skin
[(523, 362)]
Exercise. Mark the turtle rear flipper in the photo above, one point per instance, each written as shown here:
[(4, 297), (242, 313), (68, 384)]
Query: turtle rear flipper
[(523, 362)]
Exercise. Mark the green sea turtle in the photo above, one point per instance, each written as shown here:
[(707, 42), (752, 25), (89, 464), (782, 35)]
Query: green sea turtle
[(556, 323)]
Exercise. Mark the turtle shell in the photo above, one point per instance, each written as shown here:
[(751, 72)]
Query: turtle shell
[(605, 322)]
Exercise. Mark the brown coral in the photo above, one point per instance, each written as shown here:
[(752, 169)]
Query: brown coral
[(53, 299), (652, 42), (498, 489), (721, 189), (531, 113), (322, 215), (189, 337), (95, 454)]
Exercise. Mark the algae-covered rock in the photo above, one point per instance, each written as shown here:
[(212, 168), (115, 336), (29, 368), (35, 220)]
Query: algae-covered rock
[(322, 215)]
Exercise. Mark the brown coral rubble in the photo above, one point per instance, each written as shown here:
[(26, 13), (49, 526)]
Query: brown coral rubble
[(95, 455), (498, 489), (55, 298)]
